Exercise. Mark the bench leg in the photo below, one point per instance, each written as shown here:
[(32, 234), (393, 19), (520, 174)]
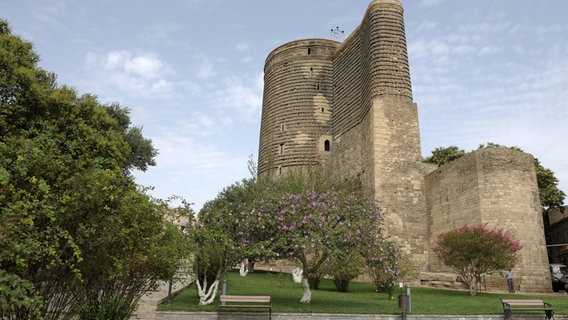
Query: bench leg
[(549, 314), (508, 314)]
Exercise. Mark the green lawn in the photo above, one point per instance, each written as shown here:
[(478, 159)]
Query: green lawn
[(361, 298)]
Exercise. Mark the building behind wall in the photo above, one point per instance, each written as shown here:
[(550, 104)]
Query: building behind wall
[(557, 235), (349, 106)]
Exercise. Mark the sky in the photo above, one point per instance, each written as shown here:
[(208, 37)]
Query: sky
[(191, 72)]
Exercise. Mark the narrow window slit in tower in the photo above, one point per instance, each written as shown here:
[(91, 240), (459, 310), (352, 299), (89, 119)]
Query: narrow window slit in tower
[(309, 50), (311, 72), (326, 145)]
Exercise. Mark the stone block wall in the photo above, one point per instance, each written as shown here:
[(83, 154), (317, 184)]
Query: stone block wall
[(497, 187)]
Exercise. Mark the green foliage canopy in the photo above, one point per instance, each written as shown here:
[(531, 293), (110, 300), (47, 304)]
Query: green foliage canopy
[(312, 227), (76, 229)]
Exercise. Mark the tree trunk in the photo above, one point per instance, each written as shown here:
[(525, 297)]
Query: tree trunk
[(297, 275), (251, 263), (243, 269), (307, 297), (206, 296), (341, 284)]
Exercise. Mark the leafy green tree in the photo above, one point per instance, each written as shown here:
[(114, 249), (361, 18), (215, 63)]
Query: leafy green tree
[(475, 251), (142, 152), (214, 241), (17, 294), (441, 155), (74, 224), (343, 267), (214, 252), (550, 195)]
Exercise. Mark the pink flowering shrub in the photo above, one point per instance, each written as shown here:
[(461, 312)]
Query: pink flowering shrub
[(312, 227), (476, 250)]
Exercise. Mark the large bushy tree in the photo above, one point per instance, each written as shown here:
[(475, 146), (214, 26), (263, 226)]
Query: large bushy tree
[(311, 227), (476, 250), (441, 155), (77, 231), (213, 240)]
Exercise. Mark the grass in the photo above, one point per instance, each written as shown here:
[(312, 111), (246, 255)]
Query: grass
[(361, 298)]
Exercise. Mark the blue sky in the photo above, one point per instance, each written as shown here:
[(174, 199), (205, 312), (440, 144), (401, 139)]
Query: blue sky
[(191, 73)]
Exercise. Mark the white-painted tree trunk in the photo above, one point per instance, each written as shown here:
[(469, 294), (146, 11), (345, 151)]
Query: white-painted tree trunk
[(244, 268), (206, 296), (307, 297), (297, 275)]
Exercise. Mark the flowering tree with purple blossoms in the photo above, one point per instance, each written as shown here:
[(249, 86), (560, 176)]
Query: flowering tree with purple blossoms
[(310, 227), (382, 265), (475, 251)]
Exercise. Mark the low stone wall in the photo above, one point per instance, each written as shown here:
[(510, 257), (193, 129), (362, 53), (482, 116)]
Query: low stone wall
[(322, 316)]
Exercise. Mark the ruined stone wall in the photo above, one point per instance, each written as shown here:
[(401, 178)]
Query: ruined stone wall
[(295, 126), (497, 187)]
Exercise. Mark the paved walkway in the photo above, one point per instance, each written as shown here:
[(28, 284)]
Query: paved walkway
[(148, 304)]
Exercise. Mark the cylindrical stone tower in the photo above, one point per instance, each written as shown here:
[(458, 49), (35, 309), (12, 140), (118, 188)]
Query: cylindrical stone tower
[(295, 128), (385, 40)]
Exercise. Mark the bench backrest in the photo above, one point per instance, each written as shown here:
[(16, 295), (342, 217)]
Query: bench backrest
[(519, 302), (252, 299)]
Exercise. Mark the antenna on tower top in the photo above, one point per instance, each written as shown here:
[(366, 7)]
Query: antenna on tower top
[(338, 33)]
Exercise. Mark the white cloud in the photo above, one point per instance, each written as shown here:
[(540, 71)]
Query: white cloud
[(242, 46), (431, 3), (243, 96), (123, 71), (205, 69)]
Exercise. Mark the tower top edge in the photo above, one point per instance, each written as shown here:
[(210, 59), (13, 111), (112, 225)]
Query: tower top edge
[(386, 2), (321, 42), (396, 3)]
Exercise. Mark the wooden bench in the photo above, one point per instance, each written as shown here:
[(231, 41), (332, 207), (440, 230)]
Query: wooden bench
[(510, 305), (256, 302)]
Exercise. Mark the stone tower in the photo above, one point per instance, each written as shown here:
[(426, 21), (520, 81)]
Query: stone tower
[(349, 106), (295, 128), (375, 123)]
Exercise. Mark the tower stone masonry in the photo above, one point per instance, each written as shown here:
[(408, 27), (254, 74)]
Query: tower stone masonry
[(349, 105)]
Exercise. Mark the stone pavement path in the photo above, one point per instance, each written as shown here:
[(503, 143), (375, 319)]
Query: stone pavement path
[(148, 304)]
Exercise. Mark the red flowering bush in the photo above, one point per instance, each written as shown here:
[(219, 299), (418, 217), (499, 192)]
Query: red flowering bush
[(475, 251)]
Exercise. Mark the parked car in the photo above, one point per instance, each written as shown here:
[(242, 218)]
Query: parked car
[(559, 274)]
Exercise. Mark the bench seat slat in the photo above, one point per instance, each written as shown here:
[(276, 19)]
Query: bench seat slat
[(244, 306), (253, 302), (225, 298)]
